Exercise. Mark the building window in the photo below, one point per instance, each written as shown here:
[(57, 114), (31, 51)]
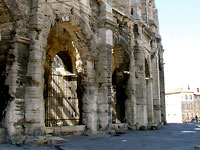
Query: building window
[(183, 106), (190, 97), (196, 105), (186, 97), (186, 107), (187, 116), (132, 11)]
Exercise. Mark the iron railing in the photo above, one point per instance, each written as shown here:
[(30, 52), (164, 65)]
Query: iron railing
[(61, 104)]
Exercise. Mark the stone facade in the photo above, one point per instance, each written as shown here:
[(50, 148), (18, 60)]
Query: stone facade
[(190, 106), (109, 54)]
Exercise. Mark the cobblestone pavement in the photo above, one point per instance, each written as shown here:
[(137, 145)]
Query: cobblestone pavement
[(170, 137)]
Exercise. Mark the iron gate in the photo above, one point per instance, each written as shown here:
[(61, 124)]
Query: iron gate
[(62, 106)]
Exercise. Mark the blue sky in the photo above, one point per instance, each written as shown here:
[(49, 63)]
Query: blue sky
[(180, 30)]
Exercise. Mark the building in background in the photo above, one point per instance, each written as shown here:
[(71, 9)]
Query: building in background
[(197, 103), (173, 106), (182, 105)]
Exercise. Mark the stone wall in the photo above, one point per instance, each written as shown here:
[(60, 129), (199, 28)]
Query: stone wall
[(109, 46)]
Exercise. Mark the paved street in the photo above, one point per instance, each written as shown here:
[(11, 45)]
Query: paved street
[(170, 137)]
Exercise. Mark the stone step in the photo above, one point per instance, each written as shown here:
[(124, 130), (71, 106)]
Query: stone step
[(2, 135)]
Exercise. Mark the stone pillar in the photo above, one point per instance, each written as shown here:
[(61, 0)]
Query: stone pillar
[(130, 104), (156, 84), (144, 10), (149, 95), (150, 112), (105, 43), (162, 86), (140, 86), (126, 4), (91, 96), (150, 11), (136, 9), (34, 103), (17, 80)]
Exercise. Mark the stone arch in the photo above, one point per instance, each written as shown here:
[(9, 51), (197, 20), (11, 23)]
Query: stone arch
[(82, 40), (147, 69), (121, 57), (119, 40), (80, 32), (14, 8), (6, 16), (61, 82)]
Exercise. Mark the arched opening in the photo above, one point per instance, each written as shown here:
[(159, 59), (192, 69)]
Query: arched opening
[(132, 11), (135, 31), (120, 75), (6, 60), (147, 72), (61, 90)]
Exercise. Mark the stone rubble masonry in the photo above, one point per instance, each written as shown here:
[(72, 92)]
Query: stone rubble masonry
[(103, 39)]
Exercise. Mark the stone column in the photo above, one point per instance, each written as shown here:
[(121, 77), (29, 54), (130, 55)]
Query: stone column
[(126, 4), (91, 96), (150, 111), (17, 81), (136, 8), (140, 86), (105, 43), (34, 103), (130, 105), (150, 11), (162, 86), (156, 84), (149, 93), (144, 10)]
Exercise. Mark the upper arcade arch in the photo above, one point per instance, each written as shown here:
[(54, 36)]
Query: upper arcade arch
[(121, 70), (120, 76)]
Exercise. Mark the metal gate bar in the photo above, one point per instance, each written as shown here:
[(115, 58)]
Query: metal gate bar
[(62, 107)]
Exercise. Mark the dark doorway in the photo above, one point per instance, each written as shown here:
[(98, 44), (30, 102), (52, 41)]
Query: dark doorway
[(120, 76)]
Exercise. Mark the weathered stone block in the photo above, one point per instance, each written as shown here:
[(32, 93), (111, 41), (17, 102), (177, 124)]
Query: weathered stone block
[(103, 108), (33, 94)]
